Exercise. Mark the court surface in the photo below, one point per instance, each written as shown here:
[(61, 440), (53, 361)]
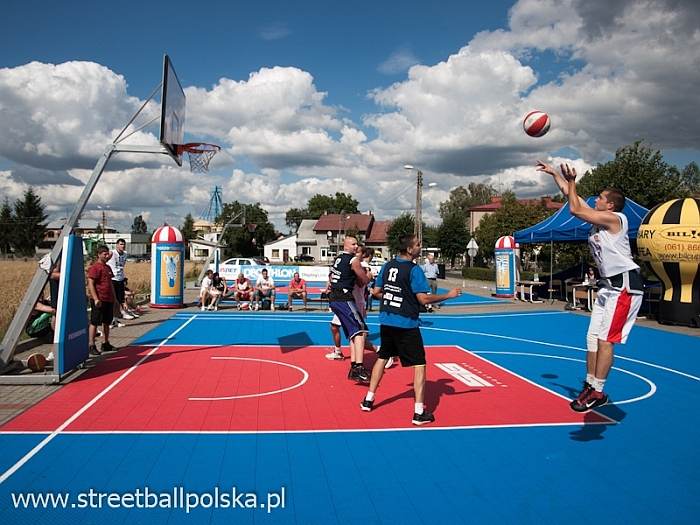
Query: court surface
[(210, 411)]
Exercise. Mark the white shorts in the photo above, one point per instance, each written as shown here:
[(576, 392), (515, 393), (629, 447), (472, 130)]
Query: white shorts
[(614, 313)]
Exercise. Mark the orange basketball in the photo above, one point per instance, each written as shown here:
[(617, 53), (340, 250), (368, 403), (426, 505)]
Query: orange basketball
[(36, 362)]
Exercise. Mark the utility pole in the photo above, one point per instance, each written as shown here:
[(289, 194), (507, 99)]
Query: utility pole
[(104, 225), (418, 227)]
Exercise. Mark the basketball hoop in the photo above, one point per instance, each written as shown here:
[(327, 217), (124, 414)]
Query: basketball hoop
[(199, 154)]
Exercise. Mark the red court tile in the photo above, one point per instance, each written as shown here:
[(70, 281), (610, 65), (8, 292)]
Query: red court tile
[(269, 390)]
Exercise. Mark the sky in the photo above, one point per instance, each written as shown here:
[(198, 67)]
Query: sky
[(318, 97)]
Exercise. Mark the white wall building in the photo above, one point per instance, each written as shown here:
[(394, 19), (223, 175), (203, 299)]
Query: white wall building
[(282, 250)]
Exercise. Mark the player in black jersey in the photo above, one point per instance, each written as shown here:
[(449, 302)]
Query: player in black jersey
[(345, 272), (402, 288)]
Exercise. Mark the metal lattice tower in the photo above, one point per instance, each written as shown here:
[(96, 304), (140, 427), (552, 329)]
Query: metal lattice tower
[(215, 205)]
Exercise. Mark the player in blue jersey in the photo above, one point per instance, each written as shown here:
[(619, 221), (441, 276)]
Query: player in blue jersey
[(402, 289)]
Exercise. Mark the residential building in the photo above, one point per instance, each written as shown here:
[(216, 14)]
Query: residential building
[(476, 213)]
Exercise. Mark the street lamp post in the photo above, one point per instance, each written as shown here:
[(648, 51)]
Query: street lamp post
[(418, 226)]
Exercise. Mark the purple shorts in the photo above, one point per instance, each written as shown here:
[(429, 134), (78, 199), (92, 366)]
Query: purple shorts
[(350, 318)]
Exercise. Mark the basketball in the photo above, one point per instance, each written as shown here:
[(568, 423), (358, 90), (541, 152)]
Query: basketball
[(536, 123), (36, 362)]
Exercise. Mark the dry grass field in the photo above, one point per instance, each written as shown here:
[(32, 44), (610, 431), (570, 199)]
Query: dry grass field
[(16, 275)]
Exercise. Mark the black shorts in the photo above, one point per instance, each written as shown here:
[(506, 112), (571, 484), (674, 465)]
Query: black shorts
[(102, 315), (53, 291), (406, 343), (119, 291)]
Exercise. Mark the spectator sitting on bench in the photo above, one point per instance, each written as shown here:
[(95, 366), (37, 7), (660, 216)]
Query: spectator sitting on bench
[(204, 289), (297, 290), (264, 289), (242, 290)]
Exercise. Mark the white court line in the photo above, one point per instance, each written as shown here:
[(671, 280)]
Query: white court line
[(320, 431), (304, 379), (307, 315), (471, 332), (29, 455), (652, 385)]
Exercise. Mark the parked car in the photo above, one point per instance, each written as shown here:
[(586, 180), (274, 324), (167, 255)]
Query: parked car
[(304, 257), (245, 261)]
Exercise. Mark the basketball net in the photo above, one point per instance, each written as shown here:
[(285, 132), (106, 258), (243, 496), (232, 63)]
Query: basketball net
[(199, 155)]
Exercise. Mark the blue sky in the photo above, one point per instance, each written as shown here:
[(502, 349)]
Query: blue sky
[(320, 96)]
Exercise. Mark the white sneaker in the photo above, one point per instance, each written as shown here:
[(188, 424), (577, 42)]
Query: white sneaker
[(203, 308), (272, 307), (216, 308), (335, 355), (134, 313), (127, 315), (389, 363)]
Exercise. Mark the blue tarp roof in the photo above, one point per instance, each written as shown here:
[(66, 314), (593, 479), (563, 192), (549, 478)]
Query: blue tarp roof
[(564, 227)]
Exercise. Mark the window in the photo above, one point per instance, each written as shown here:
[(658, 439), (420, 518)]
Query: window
[(306, 250), (243, 262), (275, 254)]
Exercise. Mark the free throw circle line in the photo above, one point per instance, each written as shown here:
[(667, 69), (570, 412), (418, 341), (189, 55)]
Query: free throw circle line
[(652, 386), (304, 379)]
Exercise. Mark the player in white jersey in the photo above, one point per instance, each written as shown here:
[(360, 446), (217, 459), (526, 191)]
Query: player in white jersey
[(620, 289)]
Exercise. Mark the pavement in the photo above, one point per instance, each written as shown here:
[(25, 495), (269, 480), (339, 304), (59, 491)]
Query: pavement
[(15, 399)]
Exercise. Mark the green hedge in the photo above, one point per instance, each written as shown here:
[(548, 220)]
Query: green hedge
[(489, 274)]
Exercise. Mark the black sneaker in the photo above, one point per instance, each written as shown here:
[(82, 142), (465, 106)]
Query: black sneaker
[(93, 350), (577, 403), (352, 374), (366, 405), (106, 347), (363, 375), (592, 400), (422, 419)]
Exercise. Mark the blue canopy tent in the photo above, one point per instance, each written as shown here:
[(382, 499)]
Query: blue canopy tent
[(564, 227)]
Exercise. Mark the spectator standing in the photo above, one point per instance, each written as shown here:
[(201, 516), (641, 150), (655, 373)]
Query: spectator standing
[(431, 271), (117, 262), (101, 291)]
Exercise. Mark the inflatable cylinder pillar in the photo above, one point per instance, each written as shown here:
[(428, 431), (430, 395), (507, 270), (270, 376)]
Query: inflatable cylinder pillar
[(167, 268), (505, 266)]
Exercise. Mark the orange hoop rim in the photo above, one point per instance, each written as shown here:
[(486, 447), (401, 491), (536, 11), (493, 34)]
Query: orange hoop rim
[(197, 148)]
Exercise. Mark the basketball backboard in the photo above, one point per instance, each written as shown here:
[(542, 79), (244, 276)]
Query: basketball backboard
[(172, 108)]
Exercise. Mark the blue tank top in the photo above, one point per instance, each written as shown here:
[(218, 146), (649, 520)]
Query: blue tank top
[(397, 295)]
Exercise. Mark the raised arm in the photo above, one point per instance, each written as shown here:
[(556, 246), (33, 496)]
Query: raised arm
[(579, 208)]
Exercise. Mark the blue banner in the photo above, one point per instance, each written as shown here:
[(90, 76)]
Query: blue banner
[(71, 335)]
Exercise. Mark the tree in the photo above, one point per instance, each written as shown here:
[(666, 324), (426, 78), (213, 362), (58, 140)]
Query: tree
[(187, 228), (461, 199), (7, 224), (640, 173), (453, 237), (690, 178), (30, 221), (430, 236), (139, 225), (403, 225), (319, 205), (340, 203), (294, 216), (510, 217), (250, 229)]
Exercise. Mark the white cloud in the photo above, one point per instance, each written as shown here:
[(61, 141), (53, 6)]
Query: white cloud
[(398, 62), (61, 116), (631, 72), (275, 31)]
